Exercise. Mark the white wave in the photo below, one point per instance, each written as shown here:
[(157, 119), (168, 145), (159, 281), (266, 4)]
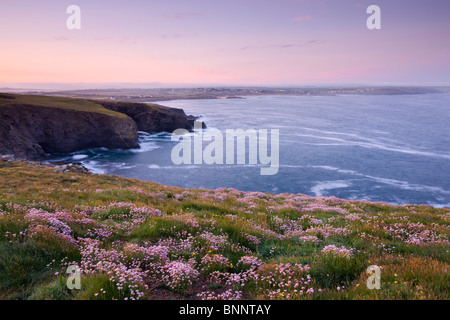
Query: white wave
[(205, 166), (396, 183), (94, 167), (145, 147), (122, 165), (145, 136), (105, 168), (182, 166), (79, 156), (407, 186), (352, 172), (324, 144), (357, 136), (329, 185), (374, 144), (332, 132), (440, 205)]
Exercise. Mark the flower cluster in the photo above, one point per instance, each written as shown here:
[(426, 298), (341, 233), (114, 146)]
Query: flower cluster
[(175, 241), (285, 281), (128, 279), (251, 238), (178, 275), (214, 262), (312, 239), (43, 223), (208, 241), (336, 251), (415, 233), (227, 295), (249, 262)]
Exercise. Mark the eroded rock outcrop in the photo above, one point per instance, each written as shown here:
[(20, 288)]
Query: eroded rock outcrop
[(153, 117), (31, 127)]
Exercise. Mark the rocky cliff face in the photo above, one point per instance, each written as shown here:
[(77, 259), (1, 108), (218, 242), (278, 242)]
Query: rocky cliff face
[(31, 130), (153, 117)]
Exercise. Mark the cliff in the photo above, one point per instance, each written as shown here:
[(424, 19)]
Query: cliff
[(33, 126), (152, 117)]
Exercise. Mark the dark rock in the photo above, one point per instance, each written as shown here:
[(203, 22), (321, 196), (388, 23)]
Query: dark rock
[(31, 132), (153, 117)]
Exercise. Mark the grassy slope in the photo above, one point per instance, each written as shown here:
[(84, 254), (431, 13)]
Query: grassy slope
[(410, 243), (57, 102)]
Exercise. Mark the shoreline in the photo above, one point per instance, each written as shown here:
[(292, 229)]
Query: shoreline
[(78, 167), (202, 93), (76, 162)]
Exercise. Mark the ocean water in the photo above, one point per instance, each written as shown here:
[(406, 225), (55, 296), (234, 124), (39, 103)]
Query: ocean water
[(394, 149)]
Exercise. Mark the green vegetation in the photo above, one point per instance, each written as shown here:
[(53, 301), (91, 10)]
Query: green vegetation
[(56, 102), (142, 240)]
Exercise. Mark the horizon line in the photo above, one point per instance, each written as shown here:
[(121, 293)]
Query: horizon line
[(72, 86)]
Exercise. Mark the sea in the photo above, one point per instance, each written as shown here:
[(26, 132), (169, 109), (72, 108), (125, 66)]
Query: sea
[(388, 148)]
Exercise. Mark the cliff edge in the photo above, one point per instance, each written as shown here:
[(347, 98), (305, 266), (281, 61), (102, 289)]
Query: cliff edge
[(31, 126), (150, 117)]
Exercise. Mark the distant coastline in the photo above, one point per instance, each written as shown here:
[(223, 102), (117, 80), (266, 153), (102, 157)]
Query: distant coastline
[(167, 94)]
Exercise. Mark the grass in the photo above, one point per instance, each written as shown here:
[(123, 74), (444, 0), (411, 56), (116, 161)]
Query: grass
[(57, 102), (130, 237)]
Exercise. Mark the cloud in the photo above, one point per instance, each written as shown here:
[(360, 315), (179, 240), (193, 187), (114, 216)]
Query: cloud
[(302, 18), (311, 42), (283, 46)]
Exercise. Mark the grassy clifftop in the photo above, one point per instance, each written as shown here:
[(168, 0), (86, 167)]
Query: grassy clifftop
[(135, 239), (57, 102), (32, 126)]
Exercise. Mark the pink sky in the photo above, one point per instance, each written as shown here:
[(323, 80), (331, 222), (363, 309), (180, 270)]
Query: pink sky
[(253, 42)]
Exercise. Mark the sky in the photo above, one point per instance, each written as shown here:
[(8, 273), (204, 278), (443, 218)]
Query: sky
[(224, 42)]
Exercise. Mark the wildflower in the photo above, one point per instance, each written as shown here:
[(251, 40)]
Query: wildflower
[(342, 251), (179, 275)]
